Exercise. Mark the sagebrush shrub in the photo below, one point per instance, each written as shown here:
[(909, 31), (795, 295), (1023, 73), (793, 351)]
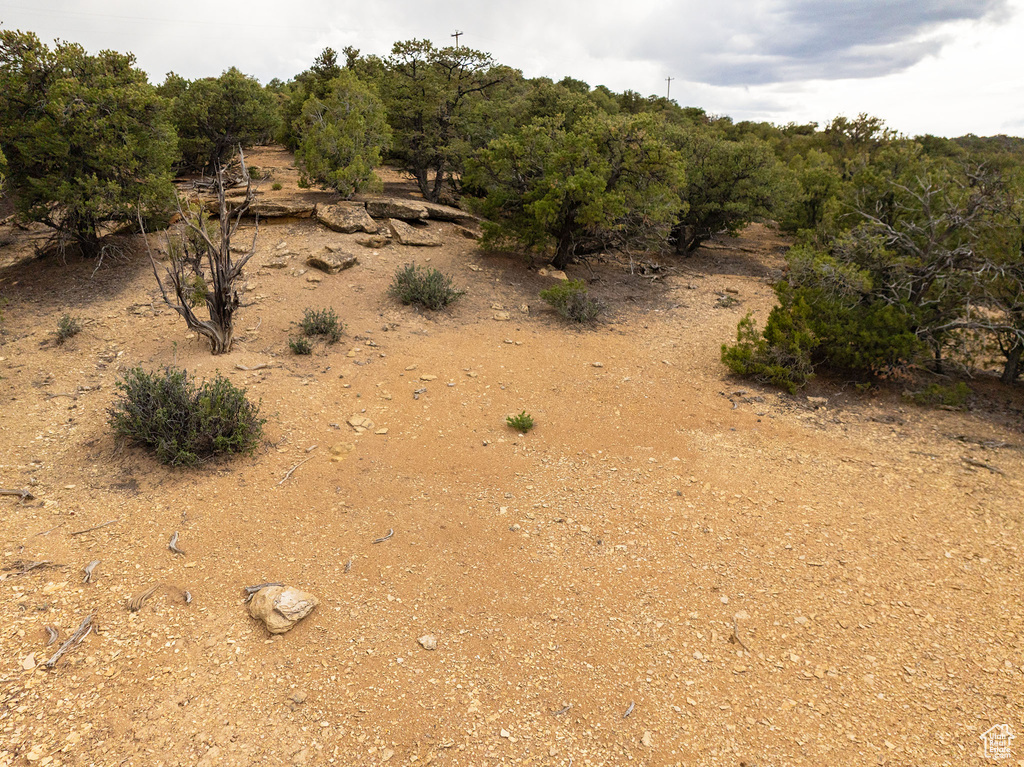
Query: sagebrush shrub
[(185, 423), (429, 288), (67, 327), (937, 395), (572, 301), (321, 322), (300, 345)]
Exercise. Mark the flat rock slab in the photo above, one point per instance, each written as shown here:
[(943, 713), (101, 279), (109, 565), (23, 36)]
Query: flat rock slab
[(331, 263), (393, 207), (346, 217), (281, 607), (446, 212), (408, 235), (300, 204)]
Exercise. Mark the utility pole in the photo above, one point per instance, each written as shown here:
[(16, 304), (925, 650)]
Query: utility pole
[(458, 33), (668, 91)]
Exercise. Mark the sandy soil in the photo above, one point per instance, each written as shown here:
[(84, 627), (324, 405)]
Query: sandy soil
[(673, 567)]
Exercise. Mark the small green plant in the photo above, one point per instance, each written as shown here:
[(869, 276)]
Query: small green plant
[(521, 422), (276, 186), (937, 395), (185, 423), (323, 323), (572, 301), (67, 327), (197, 291), (429, 288), (300, 345)]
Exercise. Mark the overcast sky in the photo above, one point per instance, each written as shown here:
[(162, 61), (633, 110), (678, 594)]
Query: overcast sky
[(947, 67)]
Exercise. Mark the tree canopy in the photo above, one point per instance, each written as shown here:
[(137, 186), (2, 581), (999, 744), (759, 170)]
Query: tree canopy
[(215, 115), (86, 138)]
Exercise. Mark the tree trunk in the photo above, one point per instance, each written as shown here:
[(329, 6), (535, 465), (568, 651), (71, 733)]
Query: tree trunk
[(566, 242), (1012, 368), (422, 183), (686, 239), (435, 193)]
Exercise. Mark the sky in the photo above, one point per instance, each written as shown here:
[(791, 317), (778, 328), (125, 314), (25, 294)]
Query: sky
[(945, 67)]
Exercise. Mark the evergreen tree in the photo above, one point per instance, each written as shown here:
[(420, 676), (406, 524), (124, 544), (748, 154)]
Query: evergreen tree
[(342, 135), (87, 139)]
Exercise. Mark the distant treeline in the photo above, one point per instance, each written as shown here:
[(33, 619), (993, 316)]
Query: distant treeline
[(909, 249)]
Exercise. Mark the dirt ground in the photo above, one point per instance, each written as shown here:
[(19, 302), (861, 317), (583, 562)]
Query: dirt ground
[(672, 567)]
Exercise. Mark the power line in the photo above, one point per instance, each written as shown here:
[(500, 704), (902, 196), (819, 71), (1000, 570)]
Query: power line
[(668, 91), (457, 35)]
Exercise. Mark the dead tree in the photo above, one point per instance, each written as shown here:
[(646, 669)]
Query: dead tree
[(202, 271)]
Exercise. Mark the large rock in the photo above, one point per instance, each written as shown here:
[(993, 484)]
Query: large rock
[(392, 207), (346, 217), (281, 607), (331, 263), (408, 235), (293, 206), (446, 212)]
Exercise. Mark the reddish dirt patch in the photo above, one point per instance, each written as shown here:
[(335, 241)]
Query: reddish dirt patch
[(753, 578)]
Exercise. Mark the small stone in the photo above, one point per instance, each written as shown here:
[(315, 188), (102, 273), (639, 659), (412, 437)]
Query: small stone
[(597, 364), (504, 733), (299, 697), (279, 262), (469, 234), (360, 424), (331, 264), (281, 607), (211, 758), (386, 754), (374, 241), (647, 740), (502, 316), (734, 291), (558, 274), (428, 642), (428, 377), (381, 432), (29, 661)]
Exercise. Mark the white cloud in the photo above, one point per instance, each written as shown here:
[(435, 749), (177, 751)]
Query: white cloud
[(938, 66)]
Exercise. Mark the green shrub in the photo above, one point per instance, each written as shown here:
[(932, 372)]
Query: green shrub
[(276, 186), (321, 322), (780, 356), (300, 345), (67, 327), (937, 395), (341, 135), (572, 301), (182, 423), (427, 287), (522, 422)]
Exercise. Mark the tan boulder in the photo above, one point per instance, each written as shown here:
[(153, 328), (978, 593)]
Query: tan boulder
[(346, 217), (408, 235), (281, 607), (331, 263), (393, 207)]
